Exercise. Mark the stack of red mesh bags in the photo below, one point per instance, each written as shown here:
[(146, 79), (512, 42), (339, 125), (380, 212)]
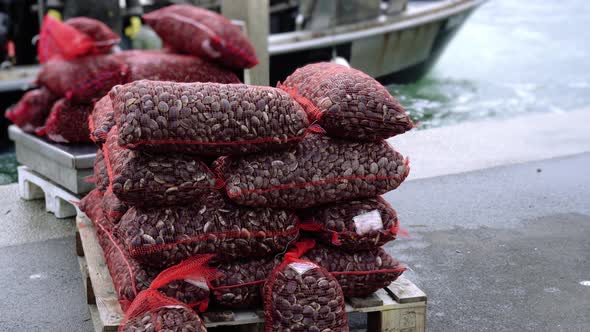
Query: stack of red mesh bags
[(158, 204), (333, 179), (78, 69), (165, 208), (172, 240), (220, 195)]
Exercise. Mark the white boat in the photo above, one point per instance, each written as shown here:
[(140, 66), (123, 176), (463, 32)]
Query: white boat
[(393, 41)]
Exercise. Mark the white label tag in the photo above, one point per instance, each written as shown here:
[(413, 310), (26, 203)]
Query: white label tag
[(206, 46), (368, 222), (173, 307), (301, 267), (198, 283)]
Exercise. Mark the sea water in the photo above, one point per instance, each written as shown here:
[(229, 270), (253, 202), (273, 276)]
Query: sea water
[(510, 58)]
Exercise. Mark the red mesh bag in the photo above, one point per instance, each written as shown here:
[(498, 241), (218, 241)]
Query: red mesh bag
[(67, 123), (84, 79), (165, 236), (32, 109), (58, 40), (347, 102), (302, 296), (113, 208), (74, 38), (206, 118), (91, 205), (152, 311), (353, 225), (101, 120), (320, 170), (130, 277), (101, 174), (161, 66), (203, 33), (103, 38), (359, 274), (155, 65), (240, 283), (139, 178)]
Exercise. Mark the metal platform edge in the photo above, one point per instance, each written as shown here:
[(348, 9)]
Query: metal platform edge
[(79, 156)]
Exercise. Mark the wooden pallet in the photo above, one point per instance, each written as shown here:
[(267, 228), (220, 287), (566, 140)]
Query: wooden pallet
[(401, 307)]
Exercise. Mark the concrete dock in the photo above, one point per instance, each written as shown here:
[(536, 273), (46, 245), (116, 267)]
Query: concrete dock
[(498, 214)]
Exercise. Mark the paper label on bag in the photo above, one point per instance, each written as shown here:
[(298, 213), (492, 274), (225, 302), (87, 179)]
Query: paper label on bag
[(173, 307), (198, 283), (301, 267), (368, 222)]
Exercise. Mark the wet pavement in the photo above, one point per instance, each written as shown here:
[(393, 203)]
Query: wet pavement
[(40, 283), (27, 221), (503, 249), (42, 289)]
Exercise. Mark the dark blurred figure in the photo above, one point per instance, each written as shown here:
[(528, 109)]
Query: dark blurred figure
[(4, 26), (21, 26)]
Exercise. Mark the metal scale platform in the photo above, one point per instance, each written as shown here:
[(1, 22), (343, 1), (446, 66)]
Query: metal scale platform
[(65, 165)]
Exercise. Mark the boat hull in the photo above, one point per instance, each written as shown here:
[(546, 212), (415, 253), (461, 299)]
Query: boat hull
[(399, 56), (419, 67)]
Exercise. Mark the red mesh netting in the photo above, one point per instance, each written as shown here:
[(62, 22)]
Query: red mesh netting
[(90, 205), (347, 102), (130, 277), (101, 120), (112, 207), (197, 31), (32, 109), (140, 178), (320, 170), (103, 38), (152, 311), (61, 41), (67, 122), (84, 79), (302, 296), (164, 236), (161, 66), (74, 38), (101, 174), (206, 118), (359, 274), (353, 225), (240, 283)]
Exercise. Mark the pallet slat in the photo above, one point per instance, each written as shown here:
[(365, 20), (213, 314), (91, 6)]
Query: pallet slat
[(362, 302), (79, 248), (92, 308), (109, 310), (402, 320), (404, 291)]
